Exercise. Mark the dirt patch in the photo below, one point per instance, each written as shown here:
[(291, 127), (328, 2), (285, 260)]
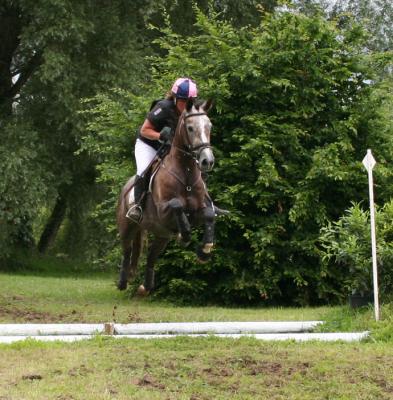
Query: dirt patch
[(28, 315), (252, 366), (383, 384), (32, 377), (242, 362), (218, 371), (276, 368), (200, 397), (301, 367), (266, 368), (148, 381), (80, 371), (134, 317)]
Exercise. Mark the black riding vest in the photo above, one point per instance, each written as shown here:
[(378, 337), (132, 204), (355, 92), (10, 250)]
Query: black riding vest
[(162, 113)]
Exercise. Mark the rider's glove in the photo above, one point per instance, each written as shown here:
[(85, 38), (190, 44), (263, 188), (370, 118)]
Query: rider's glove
[(166, 135)]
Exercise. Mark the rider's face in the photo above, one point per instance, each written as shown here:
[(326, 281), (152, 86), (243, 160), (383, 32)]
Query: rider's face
[(181, 105)]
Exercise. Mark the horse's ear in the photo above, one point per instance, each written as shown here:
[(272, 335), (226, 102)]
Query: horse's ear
[(207, 105), (189, 104)]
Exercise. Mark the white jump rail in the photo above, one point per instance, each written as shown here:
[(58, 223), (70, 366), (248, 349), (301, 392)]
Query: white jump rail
[(297, 337), (215, 327), (266, 330), (157, 328)]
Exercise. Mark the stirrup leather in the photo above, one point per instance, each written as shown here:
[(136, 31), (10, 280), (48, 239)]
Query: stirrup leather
[(135, 213)]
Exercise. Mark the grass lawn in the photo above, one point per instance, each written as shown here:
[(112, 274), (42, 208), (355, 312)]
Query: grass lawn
[(73, 299), (189, 368), (77, 297), (181, 368)]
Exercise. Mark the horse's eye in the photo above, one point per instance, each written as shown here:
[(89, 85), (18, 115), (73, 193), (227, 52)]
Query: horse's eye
[(190, 128)]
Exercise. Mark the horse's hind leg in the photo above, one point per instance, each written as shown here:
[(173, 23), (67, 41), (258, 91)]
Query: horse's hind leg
[(157, 246), (137, 246), (123, 274), (126, 243), (204, 251)]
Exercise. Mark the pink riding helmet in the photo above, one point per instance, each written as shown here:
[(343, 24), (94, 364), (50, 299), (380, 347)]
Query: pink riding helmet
[(184, 88)]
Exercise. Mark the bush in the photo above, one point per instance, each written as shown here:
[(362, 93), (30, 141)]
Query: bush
[(346, 251), (294, 109)]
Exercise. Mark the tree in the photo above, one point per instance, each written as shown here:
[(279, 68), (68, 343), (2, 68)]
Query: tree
[(52, 55), (375, 15)]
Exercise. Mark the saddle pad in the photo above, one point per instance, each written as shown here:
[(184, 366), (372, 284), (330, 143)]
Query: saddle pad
[(152, 178), (131, 198)]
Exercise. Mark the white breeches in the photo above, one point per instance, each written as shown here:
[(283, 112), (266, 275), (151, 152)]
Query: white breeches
[(143, 155)]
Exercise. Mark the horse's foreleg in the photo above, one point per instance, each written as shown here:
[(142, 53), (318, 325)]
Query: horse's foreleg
[(183, 224), (157, 246), (204, 251)]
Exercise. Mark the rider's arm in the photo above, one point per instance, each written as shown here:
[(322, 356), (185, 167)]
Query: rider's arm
[(149, 131)]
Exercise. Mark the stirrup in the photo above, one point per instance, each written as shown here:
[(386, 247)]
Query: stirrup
[(135, 213)]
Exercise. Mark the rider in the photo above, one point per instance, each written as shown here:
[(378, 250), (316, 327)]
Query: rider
[(157, 129)]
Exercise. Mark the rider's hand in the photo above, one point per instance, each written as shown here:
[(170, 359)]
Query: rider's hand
[(166, 135)]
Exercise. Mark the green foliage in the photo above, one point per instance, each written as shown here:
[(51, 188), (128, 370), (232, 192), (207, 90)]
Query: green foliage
[(295, 113), (22, 185), (346, 250), (54, 54)]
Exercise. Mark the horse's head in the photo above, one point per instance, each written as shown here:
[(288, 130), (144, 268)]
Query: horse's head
[(197, 128)]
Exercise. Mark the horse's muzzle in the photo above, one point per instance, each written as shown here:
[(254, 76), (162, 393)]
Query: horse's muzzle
[(206, 160)]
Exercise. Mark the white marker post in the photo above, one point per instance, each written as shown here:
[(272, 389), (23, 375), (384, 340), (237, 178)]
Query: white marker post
[(369, 163)]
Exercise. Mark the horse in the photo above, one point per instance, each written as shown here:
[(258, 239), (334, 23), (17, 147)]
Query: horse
[(176, 201)]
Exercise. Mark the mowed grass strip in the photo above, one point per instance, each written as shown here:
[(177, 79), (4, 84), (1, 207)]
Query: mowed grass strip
[(89, 299), (190, 368)]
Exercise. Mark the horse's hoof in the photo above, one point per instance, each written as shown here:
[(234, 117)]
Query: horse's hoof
[(142, 291), (207, 248), (202, 256)]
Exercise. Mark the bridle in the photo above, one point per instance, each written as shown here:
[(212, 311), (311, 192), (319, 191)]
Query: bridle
[(193, 151), (190, 151)]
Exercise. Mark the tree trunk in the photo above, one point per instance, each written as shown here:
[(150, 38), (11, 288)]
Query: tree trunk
[(10, 30), (49, 233)]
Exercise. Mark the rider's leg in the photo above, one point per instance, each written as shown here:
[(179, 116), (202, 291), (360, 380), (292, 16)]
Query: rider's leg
[(135, 211), (144, 154)]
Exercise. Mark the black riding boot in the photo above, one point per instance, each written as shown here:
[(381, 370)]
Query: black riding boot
[(135, 212)]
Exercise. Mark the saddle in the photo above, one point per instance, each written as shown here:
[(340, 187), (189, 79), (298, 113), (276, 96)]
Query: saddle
[(147, 177)]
